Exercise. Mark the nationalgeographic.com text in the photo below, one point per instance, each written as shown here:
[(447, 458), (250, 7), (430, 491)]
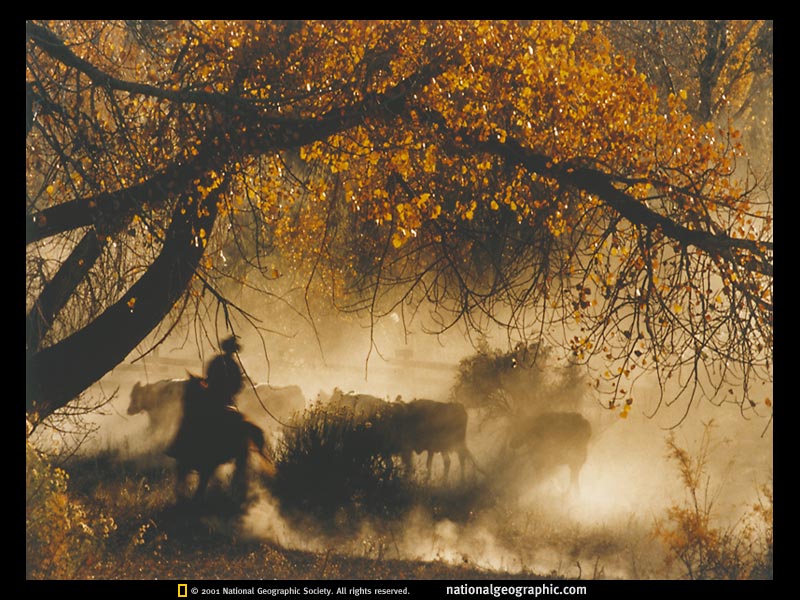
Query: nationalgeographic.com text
[(543, 589)]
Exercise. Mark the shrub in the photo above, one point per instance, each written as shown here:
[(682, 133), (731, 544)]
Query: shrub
[(695, 539), (326, 464), (525, 379), (63, 540)]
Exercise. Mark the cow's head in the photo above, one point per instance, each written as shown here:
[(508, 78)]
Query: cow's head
[(135, 407)]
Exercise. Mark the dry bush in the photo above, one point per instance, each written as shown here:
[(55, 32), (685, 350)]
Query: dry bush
[(64, 540), (324, 468), (524, 379), (330, 476), (693, 535)]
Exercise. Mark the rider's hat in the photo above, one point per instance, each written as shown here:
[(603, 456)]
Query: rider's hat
[(230, 345)]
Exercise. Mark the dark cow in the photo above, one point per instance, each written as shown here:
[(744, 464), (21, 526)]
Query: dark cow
[(426, 426), (210, 437), (552, 439)]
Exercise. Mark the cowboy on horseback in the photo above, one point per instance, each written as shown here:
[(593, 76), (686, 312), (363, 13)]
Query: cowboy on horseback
[(209, 410), (213, 431)]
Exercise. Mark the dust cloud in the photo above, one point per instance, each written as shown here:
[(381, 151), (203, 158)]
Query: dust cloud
[(606, 531), (520, 523)]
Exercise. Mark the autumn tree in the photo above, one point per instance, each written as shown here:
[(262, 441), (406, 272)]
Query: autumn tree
[(723, 66), (521, 174)]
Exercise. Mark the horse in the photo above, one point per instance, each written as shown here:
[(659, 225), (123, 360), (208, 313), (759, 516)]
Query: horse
[(211, 437)]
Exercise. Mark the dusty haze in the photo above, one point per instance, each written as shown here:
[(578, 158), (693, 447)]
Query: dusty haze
[(626, 483)]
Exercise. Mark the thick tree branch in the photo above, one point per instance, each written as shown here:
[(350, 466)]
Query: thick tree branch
[(58, 290), (55, 48), (105, 210), (602, 185), (60, 372), (264, 134)]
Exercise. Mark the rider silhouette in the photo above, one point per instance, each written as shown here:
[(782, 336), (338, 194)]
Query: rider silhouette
[(223, 375), (209, 403)]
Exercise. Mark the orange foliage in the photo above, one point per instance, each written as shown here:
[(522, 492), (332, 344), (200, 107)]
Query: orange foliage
[(482, 162)]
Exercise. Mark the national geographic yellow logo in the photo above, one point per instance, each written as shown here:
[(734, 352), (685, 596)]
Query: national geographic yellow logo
[(182, 590)]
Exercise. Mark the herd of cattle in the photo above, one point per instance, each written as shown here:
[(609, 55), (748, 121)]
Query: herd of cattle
[(396, 428)]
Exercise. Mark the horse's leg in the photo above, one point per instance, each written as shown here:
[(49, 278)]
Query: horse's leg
[(181, 475), (202, 484), (240, 474)]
